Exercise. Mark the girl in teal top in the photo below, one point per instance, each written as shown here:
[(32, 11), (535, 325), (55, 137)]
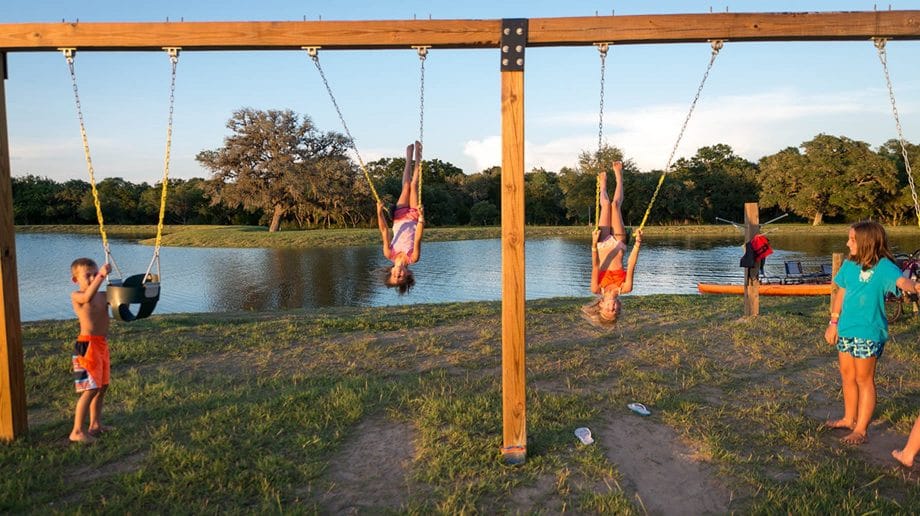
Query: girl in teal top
[(858, 325)]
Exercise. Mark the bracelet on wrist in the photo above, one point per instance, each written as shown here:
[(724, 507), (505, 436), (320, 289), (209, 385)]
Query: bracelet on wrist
[(832, 322)]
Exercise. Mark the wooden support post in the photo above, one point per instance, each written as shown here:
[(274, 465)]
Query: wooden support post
[(751, 274), (13, 422), (514, 424), (836, 263)]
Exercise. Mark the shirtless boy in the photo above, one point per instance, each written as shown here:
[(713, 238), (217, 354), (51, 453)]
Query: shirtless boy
[(91, 352)]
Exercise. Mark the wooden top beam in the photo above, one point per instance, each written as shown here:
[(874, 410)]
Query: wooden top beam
[(543, 32)]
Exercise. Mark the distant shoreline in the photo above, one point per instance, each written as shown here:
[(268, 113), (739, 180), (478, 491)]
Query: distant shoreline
[(259, 237)]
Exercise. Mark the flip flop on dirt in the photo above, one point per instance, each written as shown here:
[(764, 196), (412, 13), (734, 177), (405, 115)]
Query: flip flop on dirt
[(584, 435), (639, 408)]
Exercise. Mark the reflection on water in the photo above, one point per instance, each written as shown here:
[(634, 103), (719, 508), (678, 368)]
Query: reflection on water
[(218, 280)]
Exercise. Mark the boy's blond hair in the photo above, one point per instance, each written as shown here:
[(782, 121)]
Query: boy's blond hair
[(82, 262)]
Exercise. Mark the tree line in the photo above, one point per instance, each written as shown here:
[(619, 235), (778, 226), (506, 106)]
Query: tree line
[(277, 169)]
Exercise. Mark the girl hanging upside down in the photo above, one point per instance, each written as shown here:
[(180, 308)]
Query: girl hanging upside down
[(608, 248), (403, 247)]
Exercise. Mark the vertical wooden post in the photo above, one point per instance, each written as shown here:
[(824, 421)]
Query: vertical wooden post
[(13, 421), (836, 263), (751, 274), (514, 425)]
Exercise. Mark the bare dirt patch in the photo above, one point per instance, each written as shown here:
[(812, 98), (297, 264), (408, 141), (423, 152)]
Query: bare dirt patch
[(370, 473), (123, 465), (539, 496), (660, 469)]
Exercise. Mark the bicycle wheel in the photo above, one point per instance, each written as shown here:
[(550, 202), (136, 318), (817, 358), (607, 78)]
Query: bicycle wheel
[(893, 307)]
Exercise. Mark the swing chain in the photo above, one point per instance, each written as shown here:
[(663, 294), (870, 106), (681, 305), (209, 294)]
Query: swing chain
[(69, 54), (602, 49), (314, 55), (883, 57), (422, 55), (173, 53), (716, 47)]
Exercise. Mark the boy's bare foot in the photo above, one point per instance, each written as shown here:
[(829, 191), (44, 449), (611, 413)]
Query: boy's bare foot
[(602, 177), (839, 423), (899, 456), (854, 438), (99, 430), (81, 437)]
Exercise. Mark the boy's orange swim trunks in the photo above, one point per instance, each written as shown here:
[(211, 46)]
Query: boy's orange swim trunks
[(90, 362)]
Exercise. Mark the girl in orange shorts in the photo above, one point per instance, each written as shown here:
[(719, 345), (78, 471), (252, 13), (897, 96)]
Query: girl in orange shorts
[(608, 249)]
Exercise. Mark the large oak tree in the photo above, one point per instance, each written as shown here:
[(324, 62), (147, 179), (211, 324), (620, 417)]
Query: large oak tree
[(277, 162), (833, 175)]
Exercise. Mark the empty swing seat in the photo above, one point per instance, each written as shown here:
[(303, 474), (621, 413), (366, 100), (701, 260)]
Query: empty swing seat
[(133, 290)]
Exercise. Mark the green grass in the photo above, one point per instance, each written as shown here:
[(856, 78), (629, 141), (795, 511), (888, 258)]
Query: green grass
[(257, 236), (258, 412)]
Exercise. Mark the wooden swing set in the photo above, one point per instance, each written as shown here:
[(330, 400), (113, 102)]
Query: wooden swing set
[(510, 37)]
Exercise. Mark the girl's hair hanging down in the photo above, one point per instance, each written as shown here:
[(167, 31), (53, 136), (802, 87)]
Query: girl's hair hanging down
[(402, 287)]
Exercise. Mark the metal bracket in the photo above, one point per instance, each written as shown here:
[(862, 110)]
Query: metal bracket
[(513, 43), (422, 51)]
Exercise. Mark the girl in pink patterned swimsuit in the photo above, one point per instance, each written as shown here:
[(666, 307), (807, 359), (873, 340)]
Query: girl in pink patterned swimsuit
[(403, 247), (608, 248)]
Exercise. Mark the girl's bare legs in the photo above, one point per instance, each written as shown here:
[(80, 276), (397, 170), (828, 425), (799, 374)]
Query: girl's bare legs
[(616, 218), (603, 222), (865, 383), (414, 201), (850, 392), (906, 456), (405, 194)]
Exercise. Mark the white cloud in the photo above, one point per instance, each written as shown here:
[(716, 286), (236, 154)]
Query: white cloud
[(754, 125), (486, 152)]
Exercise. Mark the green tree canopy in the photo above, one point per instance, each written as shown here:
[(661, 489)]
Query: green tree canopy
[(33, 198), (275, 161), (900, 207), (717, 183), (831, 176)]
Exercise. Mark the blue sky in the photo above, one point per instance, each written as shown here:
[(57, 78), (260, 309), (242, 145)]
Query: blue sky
[(760, 97)]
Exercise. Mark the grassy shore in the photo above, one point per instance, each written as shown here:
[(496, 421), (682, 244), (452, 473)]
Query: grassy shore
[(257, 236), (399, 409)]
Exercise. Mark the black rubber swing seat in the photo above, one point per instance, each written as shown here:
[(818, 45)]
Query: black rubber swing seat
[(134, 291)]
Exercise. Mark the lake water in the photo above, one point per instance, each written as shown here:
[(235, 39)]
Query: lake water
[(221, 280)]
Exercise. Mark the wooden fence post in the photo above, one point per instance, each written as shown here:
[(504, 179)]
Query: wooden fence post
[(836, 262)]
